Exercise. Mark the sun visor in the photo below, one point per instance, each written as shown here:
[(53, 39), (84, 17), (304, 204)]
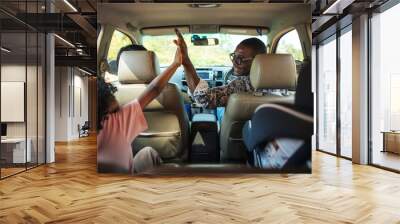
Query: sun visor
[(158, 31), (244, 30), (204, 28)]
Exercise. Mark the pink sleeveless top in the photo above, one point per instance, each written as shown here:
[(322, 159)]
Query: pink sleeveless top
[(119, 130)]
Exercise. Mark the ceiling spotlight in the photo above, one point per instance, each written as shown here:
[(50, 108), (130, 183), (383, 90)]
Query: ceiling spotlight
[(70, 5), (5, 50), (65, 41)]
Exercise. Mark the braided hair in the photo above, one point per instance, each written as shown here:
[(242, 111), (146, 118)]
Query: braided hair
[(105, 96)]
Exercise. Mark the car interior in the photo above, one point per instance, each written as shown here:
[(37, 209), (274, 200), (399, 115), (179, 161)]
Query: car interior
[(183, 132)]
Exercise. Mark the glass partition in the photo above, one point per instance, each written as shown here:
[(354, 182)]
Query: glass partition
[(385, 89), (14, 153), (22, 88), (327, 95), (346, 93)]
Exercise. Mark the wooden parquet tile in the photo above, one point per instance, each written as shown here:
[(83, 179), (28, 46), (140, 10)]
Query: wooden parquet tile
[(70, 191)]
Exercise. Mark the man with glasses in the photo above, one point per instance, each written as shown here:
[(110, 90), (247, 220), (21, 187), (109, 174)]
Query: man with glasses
[(241, 58)]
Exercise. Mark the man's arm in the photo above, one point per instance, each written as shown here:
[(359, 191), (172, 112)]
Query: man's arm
[(212, 97), (157, 85), (192, 78), (190, 72), (218, 96)]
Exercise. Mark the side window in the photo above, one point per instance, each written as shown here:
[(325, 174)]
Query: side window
[(290, 44), (118, 41)]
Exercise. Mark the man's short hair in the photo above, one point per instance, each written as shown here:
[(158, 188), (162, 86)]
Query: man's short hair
[(255, 44)]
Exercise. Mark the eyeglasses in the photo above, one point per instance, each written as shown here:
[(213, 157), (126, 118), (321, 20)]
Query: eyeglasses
[(239, 59)]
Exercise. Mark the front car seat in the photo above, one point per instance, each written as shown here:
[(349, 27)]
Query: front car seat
[(278, 137), (168, 123), (268, 71)]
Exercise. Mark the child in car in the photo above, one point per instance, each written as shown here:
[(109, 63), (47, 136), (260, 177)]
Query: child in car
[(119, 125)]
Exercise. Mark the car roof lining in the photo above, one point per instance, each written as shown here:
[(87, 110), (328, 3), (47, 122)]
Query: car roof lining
[(209, 28), (275, 16)]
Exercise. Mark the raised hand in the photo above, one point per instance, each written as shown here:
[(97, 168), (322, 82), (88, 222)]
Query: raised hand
[(190, 72), (178, 57), (181, 44)]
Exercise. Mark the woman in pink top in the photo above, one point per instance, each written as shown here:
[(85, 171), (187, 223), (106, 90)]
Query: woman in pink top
[(120, 125)]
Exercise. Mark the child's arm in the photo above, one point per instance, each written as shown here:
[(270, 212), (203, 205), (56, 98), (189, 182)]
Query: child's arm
[(190, 72), (158, 84)]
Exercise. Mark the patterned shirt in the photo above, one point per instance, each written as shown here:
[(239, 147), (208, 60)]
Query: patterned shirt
[(218, 96)]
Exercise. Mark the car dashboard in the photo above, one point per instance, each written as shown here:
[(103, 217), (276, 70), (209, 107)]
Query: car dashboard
[(214, 76)]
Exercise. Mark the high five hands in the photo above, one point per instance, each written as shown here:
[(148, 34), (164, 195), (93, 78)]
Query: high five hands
[(178, 58), (190, 72), (181, 50)]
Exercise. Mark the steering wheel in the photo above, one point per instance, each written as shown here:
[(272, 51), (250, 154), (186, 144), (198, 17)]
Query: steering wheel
[(228, 75)]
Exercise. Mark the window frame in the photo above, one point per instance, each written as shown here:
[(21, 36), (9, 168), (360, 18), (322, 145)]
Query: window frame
[(112, 35), (109, 46), (282, 34)]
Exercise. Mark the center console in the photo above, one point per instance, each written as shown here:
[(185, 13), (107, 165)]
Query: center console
[(204, 137), (204, 144)]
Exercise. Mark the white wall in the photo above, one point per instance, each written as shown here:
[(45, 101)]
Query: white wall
[(71, 94), (16, 73), (61, 103), (80, 103), (33, 126)]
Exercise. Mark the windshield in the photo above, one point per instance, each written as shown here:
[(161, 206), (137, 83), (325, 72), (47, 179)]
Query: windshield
[(201, 56)]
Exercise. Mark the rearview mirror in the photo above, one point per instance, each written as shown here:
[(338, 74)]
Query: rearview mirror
[(204, 41)]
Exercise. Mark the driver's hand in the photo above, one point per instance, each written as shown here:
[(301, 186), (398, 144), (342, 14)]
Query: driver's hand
[(180, 42)]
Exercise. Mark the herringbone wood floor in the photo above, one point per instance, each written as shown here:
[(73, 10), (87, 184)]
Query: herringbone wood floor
[(70, 191)]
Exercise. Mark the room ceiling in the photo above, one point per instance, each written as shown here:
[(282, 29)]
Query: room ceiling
[(76, 24)]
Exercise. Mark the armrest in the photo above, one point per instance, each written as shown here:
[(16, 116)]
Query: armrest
[(204, 122), (159, 134), (204, 118)]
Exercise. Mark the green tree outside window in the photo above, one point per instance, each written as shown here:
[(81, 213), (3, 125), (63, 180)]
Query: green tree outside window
[(290, 44)]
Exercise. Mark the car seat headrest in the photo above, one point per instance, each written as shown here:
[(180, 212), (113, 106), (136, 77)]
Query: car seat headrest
[(273, 71), (137, 67)]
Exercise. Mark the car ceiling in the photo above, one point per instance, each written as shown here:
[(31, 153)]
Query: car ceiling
[(276, 16)]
